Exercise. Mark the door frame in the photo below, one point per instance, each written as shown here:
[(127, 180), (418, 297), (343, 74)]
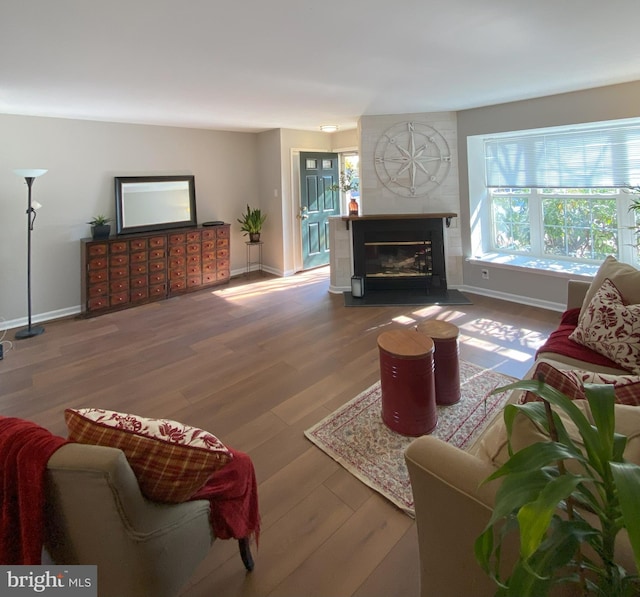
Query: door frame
[(294, 207)]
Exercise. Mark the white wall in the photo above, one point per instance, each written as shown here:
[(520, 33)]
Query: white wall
[(375, 198), (82, 158)]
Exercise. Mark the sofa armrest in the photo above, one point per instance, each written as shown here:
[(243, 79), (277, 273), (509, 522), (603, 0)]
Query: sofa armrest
[(451, 511), (576, 291)]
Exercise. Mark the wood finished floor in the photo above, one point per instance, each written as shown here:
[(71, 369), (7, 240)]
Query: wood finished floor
[(257, 362)]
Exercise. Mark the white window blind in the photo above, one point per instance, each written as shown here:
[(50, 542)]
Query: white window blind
[(601, 157)]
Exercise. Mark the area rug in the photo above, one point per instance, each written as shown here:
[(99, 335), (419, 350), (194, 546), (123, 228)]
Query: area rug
[(409, 298), (355, 436)]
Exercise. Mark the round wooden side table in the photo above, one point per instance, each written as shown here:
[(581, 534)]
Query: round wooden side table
[(407, 382), (446, 358)]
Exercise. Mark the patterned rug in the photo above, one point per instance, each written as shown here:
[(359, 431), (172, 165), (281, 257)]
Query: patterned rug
[(355, 436)]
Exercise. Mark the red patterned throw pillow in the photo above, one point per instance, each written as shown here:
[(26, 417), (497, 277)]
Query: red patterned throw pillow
[(571, 383), (611, 328), (170, 460)]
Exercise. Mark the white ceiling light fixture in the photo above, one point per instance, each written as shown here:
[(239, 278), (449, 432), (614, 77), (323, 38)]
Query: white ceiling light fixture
[(329, 128)]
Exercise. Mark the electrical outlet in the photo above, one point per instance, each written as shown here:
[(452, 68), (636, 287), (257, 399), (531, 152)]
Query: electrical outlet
[(485, 274)]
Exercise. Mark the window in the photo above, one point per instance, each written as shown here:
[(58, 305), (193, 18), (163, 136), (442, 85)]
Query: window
[(558, 194)]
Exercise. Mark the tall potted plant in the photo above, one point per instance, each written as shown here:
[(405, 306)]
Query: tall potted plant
[(544, 500), (251, 223)]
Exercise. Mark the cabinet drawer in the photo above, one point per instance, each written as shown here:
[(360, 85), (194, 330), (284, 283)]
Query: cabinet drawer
[(156, 266), (118, 247), (97, 303), (116, 260), (157, 278), (157, 242), (177, 262), (97, 276), (157, 254), (139, 244), (138, 282), (222, 253), (177, 274), (193, 269), (193, 248), (222, 232), (209, 255), (138, 257), (98, 290), (222, 274), (138, 268), (118, 272), (139, 294), (209, 266), (208, 234), (193, 259), (222, 243), (120, 298), (194, 237), (158, 290), (194, 280), (223, 264), (117, 286), (208, 245), (97, 263), (177, 250), (177, 239), (209, 278), (96, 250), (177, 285)]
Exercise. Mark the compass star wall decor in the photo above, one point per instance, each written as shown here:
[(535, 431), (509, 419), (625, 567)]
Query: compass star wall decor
[(411, 158)]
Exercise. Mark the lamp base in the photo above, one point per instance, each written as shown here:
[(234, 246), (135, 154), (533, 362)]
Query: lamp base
[(34, 330)]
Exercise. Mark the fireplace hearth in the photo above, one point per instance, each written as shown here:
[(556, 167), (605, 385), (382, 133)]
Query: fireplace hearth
[(401, 253)]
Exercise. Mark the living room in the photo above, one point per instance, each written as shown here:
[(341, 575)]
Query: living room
[(152, 358)]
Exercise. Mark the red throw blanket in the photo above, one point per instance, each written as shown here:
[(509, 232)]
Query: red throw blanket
[(560, 343), (25, 449), (233, 494)]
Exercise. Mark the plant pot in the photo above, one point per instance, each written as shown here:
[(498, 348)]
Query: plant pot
[(100, 232), (254, 237)]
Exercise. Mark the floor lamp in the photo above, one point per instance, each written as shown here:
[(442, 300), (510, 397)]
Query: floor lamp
[(30, 175)]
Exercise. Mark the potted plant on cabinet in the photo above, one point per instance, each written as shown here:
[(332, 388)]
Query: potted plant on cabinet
[(547, 490), (100, 227), (251, 223)]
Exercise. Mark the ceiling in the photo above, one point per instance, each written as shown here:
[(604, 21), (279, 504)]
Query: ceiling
[(254, 65)]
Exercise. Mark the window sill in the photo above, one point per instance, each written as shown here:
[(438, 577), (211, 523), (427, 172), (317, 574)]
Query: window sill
[(550, 267)]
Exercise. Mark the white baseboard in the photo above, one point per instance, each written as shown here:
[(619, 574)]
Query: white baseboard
[(513, 298), (39, 318)]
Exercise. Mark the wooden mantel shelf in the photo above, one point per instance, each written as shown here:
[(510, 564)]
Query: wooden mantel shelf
[(446, 215)]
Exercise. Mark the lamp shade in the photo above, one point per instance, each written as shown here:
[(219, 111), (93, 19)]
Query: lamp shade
[(30, 172)]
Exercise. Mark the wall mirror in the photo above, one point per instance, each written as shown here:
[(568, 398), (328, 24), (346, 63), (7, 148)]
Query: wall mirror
[(147, 203)]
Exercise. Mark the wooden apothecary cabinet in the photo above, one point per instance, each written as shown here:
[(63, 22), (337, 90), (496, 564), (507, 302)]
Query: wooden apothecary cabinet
[(126, 271)]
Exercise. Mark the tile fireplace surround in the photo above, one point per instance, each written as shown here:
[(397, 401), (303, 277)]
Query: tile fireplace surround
[(349, 233)]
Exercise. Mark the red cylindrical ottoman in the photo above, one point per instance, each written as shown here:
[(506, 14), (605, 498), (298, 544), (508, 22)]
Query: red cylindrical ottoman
[(446, 358), (407, 382)]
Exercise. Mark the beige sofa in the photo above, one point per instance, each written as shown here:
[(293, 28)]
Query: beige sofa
[(451, 507)]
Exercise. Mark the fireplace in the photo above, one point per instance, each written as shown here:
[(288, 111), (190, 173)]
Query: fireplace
[(400, 252)]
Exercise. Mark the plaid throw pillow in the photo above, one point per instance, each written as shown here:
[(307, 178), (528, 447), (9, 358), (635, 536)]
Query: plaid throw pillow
[(170, 460), (571, 384)]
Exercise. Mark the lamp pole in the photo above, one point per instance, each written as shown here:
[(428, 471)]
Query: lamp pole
[(29, 176)]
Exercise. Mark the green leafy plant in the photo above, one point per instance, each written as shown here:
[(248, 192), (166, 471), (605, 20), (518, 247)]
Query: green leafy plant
[(348, 181), (99, 220), (252, 221), (545, 501)]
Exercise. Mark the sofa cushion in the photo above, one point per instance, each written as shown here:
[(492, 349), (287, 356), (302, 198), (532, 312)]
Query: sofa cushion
[(625, 277), (170, 460), (571, 383), (611, 328), (492, 447)]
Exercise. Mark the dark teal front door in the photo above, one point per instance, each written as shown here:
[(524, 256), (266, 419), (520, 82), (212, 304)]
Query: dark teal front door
[(318, 171)]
